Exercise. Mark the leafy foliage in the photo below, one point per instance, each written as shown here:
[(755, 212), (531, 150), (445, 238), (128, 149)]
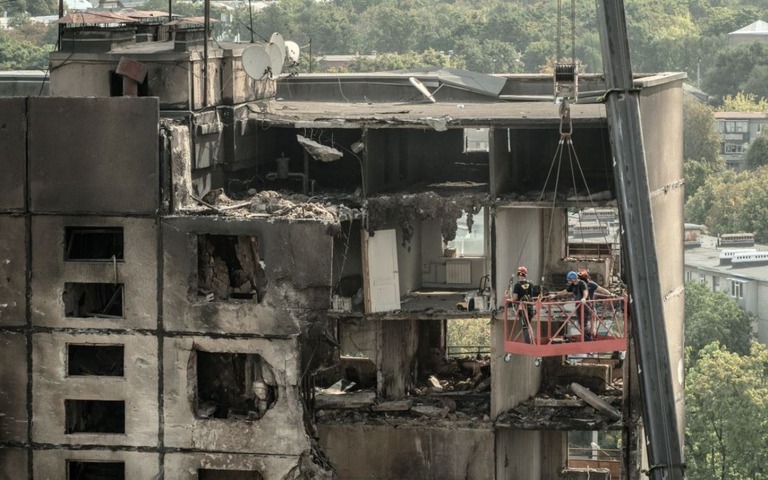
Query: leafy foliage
[(744, 102), (732, 69), (469, 333), (697, 172), (757, 154), (726, 408), (732, 202), (714, 317), (701, 140), (16, 53)]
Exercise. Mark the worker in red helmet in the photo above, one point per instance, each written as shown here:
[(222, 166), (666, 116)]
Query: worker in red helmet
[(522, 298), (592, 286), (522, 289)]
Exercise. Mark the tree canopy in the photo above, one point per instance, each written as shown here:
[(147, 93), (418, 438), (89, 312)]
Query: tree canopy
[(726, 414), (732, 202), (714, 317), (757, 154), (507, 37)]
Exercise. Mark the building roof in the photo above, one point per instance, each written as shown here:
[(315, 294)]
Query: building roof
[(435, 115), (757, 28), (707, 258), (740, 115)]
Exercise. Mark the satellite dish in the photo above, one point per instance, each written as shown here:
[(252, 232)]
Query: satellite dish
[(257, 63), (277, 57), (292, 51), (421, 88), (277, 39)]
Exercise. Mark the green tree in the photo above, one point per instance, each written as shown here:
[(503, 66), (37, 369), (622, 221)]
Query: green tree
[(697, 172), (732, 68), (744, 102), (714, 317), (757, 153), (18, 54), (489, 56), (391, 61), (732, 202), (700, 138), (726, 409)]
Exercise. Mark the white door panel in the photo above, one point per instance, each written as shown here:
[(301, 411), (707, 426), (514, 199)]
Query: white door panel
[(383, 283)]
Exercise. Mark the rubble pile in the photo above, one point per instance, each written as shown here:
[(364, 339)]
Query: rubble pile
[(269, 203)]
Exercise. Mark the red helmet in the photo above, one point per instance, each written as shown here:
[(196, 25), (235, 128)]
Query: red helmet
[(583, 273), (522, 270)]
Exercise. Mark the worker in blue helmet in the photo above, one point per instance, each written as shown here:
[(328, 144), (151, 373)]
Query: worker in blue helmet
[(580, 291)]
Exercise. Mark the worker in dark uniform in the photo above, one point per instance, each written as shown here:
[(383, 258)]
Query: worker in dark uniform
[(580, 291), (522, 290), (522, 296), (592, 286)]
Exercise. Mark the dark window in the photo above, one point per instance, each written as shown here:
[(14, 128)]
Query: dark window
[(229, 268), (94, 416), (103, 360), (206, 474), (234, 385), (102, 300), (79, 470), (93, 244), (116, 86)]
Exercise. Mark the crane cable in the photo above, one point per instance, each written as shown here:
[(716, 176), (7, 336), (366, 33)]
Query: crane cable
[(559, 52)]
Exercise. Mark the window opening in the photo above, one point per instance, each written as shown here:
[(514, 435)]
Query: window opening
[(737, 289), (94, 470), (230, 268), (468, 337), (94, 416), (595, 449), (234, 385), (733, 148), (100, 360), (470, 236), (100, 300), (208, 474), (93, 244), (476, 140)]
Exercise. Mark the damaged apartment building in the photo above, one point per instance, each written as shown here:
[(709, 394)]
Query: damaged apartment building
[(212, 275)]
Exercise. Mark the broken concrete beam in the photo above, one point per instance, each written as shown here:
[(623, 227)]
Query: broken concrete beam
[(595, 377), (597, 402), (484, 385), (345, 400), (393, 406), (554, 402), (434, 383), (340, 387), (429, 411)]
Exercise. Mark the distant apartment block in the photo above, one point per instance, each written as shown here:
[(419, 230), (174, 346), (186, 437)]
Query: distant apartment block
[(732, 264), (737, 131)]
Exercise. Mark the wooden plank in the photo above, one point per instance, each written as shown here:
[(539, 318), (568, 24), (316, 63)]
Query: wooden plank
[(554, 402), (595, 401), (347, 400)]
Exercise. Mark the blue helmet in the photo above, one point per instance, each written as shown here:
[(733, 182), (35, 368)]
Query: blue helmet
[(572, 276)]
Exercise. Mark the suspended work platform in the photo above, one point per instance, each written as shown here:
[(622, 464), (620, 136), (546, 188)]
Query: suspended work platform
[(545, 328)]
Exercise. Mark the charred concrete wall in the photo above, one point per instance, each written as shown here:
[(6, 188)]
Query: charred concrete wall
[(114, 141), (13, 125), (297, 282), (103, 366), (13, 255), (366, 451), (136, 274)]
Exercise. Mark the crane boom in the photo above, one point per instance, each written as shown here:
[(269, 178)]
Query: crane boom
[(623, 111)]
